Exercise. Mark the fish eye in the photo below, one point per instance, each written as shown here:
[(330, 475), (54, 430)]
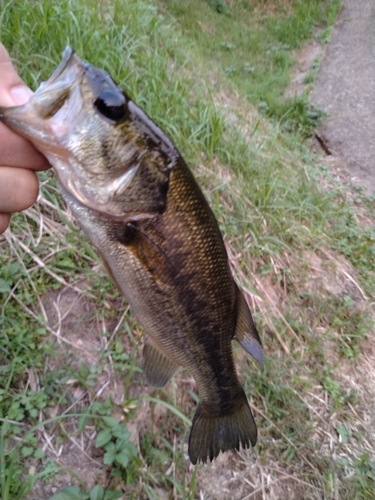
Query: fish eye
[(111, 104)]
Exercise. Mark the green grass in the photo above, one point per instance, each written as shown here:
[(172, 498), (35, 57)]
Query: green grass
[(212, 75), (251, 43)]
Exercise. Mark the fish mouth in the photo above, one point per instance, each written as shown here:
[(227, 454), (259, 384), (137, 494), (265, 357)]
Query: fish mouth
[(69, 73), (31, 120), (69, 57)]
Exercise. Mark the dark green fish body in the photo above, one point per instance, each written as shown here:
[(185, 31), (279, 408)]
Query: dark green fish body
[(136, 199)]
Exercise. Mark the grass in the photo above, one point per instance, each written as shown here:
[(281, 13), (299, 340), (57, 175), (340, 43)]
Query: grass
[(251, 43), (212, 75)]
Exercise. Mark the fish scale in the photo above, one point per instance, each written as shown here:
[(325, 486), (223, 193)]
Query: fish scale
[(137, 201)]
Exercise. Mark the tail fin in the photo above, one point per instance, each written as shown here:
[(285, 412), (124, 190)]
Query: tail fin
[(211, 434)]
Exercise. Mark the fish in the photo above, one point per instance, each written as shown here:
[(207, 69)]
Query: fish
[(134, 196)]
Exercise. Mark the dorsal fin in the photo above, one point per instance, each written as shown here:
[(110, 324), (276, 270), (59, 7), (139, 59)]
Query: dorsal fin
[(246, 333)]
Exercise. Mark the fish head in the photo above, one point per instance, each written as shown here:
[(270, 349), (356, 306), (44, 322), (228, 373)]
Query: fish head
[(107, 153)]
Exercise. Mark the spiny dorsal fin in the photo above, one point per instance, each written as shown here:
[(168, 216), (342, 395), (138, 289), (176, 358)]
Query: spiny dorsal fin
[(246, 333), (158, 369)]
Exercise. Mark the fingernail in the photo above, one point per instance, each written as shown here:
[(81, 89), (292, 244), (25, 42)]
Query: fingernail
[(20, 94)]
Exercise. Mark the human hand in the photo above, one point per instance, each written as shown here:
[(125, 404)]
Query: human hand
[(18, 158)]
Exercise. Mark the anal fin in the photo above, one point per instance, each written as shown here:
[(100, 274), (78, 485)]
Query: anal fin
[(246, 333), (157, 367)]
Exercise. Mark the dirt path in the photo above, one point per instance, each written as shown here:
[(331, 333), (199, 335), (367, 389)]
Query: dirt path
[(345, 89)]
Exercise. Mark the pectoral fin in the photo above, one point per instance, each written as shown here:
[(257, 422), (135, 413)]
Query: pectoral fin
[(158, 369), (246, 332), (108, 269)]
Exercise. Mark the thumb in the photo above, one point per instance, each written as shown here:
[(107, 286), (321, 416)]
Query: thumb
[(13, 91)]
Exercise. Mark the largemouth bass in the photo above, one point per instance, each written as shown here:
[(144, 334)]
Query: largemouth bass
[(134, 196)]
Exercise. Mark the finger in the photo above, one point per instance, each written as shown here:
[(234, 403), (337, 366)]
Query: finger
[(18, 152), (4, 222), (18, 189), (15, 151), (13, 91)]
